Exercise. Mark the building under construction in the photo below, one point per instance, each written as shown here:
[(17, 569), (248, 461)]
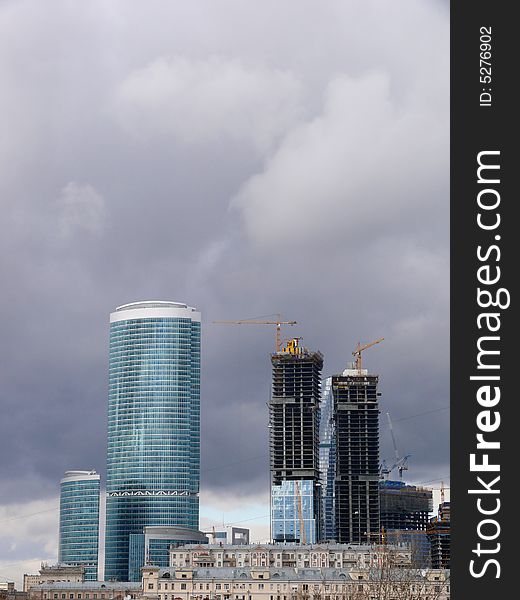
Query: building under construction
[(294, 444), (404, 514), (438, 532), (404, 507), (356, 481)]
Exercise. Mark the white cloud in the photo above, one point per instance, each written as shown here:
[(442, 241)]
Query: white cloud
[(220, 500), (363, 164), (203, 101), (81, 207), (29, 533), (247, 510)]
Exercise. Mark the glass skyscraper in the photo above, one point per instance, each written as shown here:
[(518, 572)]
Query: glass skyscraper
[(153, 459), (327, 461), (79, 521)]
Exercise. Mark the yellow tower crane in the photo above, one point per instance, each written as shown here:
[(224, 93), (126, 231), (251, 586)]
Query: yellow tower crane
[(303, 535), (360, 348), (278, 322)]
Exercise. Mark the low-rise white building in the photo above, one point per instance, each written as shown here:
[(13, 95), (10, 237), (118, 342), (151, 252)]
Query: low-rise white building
[(88, 590), (53, 574), (270, 583)]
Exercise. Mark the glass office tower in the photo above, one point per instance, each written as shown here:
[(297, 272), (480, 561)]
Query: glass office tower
[(79, 521), (153, 459), (327, 461)]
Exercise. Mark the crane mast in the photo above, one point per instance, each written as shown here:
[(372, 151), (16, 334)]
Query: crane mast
[(361, 348), (303, 535), (400, 461)]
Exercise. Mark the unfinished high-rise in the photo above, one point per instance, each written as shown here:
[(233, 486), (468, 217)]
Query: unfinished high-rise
[(356, 479), (438, 533), (404, 513), (404, 507), (294, 444)]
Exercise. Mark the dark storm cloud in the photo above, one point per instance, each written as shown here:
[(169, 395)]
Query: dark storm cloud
[(246, 158)]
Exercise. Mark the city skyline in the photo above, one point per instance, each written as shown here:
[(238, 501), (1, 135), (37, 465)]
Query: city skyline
[(135, 318), (154, 439), (183, 157)]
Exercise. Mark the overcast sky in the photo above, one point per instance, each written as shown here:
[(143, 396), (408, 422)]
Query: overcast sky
[(247, 158)]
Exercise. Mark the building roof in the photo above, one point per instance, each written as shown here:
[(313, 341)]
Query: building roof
[(89, 585), (60, 568), (154, 309), (329, 546), (80, 476), (295, 574), (176, 533)]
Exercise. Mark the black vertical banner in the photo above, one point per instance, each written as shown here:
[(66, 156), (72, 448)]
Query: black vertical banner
[(485, 337)]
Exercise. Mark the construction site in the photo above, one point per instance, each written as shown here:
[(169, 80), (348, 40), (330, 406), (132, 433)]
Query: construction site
[(365, 505), (438, 533), (294, 419), (404, 511), (404, 506), (294, 413)]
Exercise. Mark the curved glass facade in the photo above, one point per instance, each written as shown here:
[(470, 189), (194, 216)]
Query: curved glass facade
[(327, 461), (79, 521), (153, 459), (153, 546)]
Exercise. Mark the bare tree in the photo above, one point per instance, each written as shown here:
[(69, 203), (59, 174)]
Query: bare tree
[(390, 579)]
